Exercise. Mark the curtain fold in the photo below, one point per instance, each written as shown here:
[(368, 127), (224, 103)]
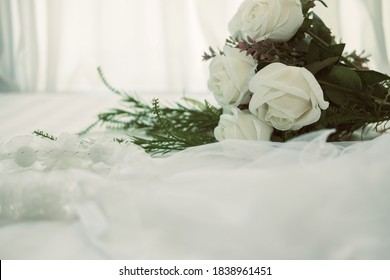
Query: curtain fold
[(149, 45), (379, 44), (7, 57), (19, 45)]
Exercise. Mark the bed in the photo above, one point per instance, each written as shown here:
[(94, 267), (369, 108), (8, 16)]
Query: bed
[(304, 199)]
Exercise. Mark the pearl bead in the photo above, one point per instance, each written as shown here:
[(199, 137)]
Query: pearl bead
[(25, 156)]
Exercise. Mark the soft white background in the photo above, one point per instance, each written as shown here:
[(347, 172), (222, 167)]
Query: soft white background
[(149, 45)]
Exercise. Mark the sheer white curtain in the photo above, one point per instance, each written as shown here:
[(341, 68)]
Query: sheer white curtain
[(18, 45), (149, 45), (56, 45)]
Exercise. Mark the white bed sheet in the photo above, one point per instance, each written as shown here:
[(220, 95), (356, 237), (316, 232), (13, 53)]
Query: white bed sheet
[(306, 199)]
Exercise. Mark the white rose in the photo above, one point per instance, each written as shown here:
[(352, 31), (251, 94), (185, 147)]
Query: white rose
[(286, 97), (277, 20), (230, 75), (242, 125)]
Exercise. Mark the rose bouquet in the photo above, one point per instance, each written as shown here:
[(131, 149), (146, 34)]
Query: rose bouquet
[(281, 74)]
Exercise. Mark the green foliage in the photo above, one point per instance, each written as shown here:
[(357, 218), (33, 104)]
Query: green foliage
[(212, 53), (370, 77), (187, 124), (45, 135), (356, 94), (307, 5), (317, 66)]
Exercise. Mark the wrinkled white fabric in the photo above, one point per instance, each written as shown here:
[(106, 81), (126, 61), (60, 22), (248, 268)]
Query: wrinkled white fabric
[(305, 199)]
